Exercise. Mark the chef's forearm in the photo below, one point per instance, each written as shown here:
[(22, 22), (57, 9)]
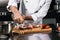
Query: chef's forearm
[(28, 18), (14, 10)]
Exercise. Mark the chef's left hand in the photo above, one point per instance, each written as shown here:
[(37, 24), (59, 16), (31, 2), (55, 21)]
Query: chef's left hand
[(27, 17)]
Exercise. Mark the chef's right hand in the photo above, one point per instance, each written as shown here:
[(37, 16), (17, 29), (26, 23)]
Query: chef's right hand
[(18, 18)]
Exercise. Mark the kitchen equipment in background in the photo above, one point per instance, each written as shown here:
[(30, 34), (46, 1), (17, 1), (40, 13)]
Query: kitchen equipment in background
[(0, 28), (3, 3), (58, 27), (5, 27), (57, 5), (3, 37)]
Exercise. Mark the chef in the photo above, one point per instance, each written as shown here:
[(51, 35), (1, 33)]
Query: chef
[(29, 10)]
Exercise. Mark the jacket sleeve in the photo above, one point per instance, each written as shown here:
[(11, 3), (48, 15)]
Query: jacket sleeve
[(13, 3), (42, 11)]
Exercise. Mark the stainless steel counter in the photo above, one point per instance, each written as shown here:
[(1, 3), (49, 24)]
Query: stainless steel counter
[(53, 36)]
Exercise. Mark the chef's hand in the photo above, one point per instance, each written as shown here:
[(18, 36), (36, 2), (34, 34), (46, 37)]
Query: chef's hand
[(18, 17), (27, 17)]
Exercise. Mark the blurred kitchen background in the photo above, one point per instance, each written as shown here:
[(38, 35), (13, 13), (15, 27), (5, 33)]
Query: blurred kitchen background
[(52, 17)]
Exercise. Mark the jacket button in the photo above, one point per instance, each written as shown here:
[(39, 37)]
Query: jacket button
[(26, 1)]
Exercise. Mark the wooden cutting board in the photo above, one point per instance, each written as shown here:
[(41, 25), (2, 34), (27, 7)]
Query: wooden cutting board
[(29, 31)]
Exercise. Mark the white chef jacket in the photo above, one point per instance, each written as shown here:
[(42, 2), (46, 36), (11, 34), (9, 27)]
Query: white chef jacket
[(32, 6)]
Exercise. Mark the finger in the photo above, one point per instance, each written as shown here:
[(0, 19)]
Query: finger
[(21, 20), (17, 27), (16, 20)]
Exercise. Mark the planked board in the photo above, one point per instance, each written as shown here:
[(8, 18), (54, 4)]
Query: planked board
[(29, 31)]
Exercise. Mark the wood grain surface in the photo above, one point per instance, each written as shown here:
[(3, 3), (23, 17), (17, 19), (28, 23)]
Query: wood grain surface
[(29, 31)]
